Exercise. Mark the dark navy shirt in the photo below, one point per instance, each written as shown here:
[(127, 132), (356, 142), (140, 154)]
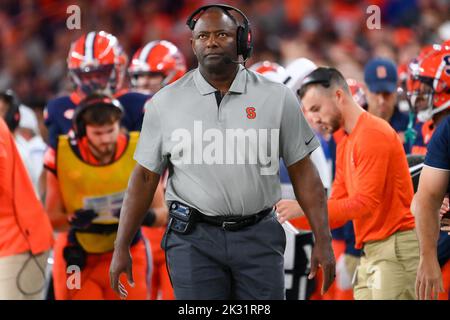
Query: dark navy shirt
[(438, 156), (438, 150)]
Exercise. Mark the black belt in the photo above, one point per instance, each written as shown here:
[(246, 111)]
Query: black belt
[(233, 223)]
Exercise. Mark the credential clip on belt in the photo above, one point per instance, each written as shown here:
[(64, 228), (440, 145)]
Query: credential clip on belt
[(182, 217)]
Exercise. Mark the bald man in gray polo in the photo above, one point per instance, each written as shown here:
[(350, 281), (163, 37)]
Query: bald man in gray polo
[(220, 131)]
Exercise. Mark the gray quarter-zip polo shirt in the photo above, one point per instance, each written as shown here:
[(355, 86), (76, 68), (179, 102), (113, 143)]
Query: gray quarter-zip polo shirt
[(224, 159)]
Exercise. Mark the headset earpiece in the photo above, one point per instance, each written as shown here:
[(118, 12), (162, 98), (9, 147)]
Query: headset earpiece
[(244, 39)]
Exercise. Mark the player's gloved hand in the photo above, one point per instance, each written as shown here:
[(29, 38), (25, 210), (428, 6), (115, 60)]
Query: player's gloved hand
[(410, 135), (82, 218)]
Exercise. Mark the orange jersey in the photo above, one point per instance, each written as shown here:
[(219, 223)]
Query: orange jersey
[(372, 185), (24, 225), (339, 135)]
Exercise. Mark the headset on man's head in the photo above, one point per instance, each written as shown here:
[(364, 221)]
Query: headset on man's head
[(79, 126), (243, 35)]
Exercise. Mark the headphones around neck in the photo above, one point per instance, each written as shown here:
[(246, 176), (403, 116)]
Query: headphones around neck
[(79, 127), (243, 35)]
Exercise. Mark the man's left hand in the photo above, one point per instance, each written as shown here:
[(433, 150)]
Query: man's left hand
[(323, 256)]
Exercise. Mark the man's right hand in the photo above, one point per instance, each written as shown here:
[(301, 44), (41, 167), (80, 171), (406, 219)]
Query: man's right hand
[(323, 255), (429, 279), (121, 263)]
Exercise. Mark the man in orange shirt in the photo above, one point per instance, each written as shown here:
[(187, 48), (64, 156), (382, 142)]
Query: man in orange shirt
[(25, 230), (372, 187), (86, 180)]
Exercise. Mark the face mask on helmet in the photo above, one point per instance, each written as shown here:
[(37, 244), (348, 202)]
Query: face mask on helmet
[(426, 101), (420, 95), (101, 79)]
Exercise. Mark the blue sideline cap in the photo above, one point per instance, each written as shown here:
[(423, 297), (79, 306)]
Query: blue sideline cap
[(380, 75)]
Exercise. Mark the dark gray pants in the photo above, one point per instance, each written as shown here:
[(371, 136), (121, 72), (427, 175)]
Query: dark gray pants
[(211, 263)]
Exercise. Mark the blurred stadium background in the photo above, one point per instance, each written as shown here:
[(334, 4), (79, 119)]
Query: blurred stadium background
[(35, 39)]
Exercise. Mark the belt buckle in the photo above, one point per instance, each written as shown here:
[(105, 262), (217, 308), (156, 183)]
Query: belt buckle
[(227, 223)]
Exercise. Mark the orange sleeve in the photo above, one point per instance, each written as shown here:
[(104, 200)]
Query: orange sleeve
[(338, 189), (300, 223), (371, 155)]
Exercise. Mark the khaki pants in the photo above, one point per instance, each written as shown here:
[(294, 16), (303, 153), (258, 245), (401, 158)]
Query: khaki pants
[(388, 268), (22, 276)]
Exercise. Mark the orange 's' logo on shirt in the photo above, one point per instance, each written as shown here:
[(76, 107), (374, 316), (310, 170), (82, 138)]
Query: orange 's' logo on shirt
[(251, 112)]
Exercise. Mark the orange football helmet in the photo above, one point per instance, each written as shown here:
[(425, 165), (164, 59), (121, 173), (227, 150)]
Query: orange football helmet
[(429, 83), (97, 63), (161, 57)]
